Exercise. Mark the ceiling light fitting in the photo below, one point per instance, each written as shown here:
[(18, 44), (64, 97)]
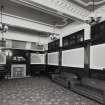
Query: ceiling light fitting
[(54, 36), (3, 29), (93, 19)]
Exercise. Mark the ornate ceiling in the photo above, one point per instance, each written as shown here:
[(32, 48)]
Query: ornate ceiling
[(51, 12), (60, 8), (87, 4), (34, 14)]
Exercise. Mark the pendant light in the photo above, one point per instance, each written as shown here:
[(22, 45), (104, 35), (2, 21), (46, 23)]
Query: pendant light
[(54, 36), (93, 19), (3, 29)]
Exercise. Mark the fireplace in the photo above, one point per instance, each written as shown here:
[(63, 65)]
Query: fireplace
[(18, 71)]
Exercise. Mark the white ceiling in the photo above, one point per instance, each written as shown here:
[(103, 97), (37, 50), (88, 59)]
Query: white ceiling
[(33, 14), (58, 13), (63, 9)]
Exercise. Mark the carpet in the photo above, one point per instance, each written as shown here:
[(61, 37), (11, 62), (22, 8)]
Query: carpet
[(38, 91)]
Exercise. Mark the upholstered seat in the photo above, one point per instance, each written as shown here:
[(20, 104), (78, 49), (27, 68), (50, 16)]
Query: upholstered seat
[(64, 78), (92, 88)]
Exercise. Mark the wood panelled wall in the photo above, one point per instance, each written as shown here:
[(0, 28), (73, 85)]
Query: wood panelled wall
[(72, 41), (76, 40), (5, 69)]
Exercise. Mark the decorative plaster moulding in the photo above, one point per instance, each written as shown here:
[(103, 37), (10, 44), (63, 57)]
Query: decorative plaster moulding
[(90, 2), (39, 7), (65, 7), (60, 6), (101, 12)]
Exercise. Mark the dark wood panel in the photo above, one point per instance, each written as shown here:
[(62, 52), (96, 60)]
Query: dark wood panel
[(80, 72), (3, 71), (54, 46), (98, 33), (2, 68), (96, 73), (37, 69), (74, 40), (52, 69), (2, 43)]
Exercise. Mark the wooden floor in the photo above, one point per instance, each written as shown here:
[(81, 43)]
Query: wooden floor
[(38, 91)]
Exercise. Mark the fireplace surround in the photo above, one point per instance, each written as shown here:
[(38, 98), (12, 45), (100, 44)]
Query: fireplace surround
[(18, 70)]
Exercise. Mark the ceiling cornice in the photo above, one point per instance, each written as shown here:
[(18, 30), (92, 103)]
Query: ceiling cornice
[(65, 7), (58, 7), (101, 12), (40, 7), (89, 3)]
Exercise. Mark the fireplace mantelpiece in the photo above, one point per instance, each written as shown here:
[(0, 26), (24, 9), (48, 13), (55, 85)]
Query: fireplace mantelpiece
[(18, 71)]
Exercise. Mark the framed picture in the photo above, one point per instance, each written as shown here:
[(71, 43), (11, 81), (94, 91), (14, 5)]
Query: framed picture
[(37, 58)]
